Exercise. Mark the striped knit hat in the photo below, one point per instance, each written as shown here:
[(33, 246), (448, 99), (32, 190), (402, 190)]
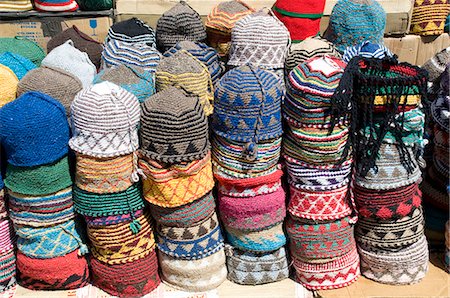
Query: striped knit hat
[(259, 39), (7, 237), (105, 119), (8, 81), (23, 47), (179, 23), (13, 6), (8, 273), (18, 64), (437, 64), (355, 21), (56, 5), (428, 17), (132, 31), (367, 49)]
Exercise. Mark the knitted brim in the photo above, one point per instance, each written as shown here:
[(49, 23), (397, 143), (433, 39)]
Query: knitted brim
[(18, 64), (194, 275), (7, 236), (9, 80), (112, 219), (247, 268), (39, 180), (62, 273), (134, 279), (8, 270), (132, 31), (56, 6), (24, 47), (428, 17), (405, 266)]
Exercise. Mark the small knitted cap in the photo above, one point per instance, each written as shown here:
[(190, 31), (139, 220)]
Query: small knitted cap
[(59, 84), (8, 81), (105, 118), (18, 64), (23, 47), (67, 57), (248, 105), (132, 31), (259, 39), (15, 5), (95, 5), (56, 5), (174, 127), (224, 15), (367, 49), (437, 64), (181, 22), (428, 17), (355, 21), (134, 79), (34, 130), (81, 41)]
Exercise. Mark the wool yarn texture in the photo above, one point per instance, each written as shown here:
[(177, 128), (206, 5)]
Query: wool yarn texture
[(56, 5), (428, 17), (105, 118), (67, 272), (15, 5), (135, 80), (141, 276), (9, 82), (34, 130), (174, 128), (440, 111), (95, 5), (24, 47), (368, 50), (179, 23), (436, 65), (132, 31), (81, 41), (112, 219), (7, 271), (3, 211), (7, 236), (18, 64)]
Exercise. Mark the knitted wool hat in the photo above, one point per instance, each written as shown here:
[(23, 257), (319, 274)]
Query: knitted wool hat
[(247, 268), (8, 273), (81, 41), (59, 84), (253, 213), (95, 5), (437, 64), (9, 82), (112, 219), (132, 31), (186, 215), (117, 52), (179, 23), (18, 64), (174, 128), (135, 80), (307, 49), (23, 47), (428, 17), (402, 267), (61, 273), (440, 111), (56, 5), (194, 275), (34, 130), (67, 57), (355, 21), (302, 19), (105, 118), (141, 276), (41, 211), (15, 5), (7, 236), (205, 54), (39, 180), (192, 243), (259, 39), (367, 49), (334, 274), (247, 106)]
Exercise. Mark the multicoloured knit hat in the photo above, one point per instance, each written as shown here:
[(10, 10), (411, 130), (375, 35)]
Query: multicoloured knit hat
[(14, 6), (56, 5), (8, 271), (3, 210), (141, 276), (247, 106), (24, 47), (259, 39), (428, 17), (179, 23), (34, 130), (186, 72), (61, 273), (247, 268), (302, 19), (367, 49), (105, 118), (436, 65), (112, 219), (7, 237), (194, 275), (9, 81), (67, 57), (81, 41), (135, 80), (174, 127), (132, 31), (18, 64)]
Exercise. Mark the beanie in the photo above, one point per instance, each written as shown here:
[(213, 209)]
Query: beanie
[(8, 81), (72, 60), (132, 31), (18, 64), (56, 5), (15, 5), (95, 5), (23, 47), (428, 17), (436, 65), (368, 50), (34, 130)]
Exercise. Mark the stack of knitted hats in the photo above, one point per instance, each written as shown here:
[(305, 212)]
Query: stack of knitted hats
[(381, 98), (105, 119), (175, 159), (15, 5), (55, 5), (246, 149), (319, 224), (35, 136), (428, 16)]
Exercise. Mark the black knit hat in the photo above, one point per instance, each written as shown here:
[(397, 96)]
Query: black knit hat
[(132, 31)]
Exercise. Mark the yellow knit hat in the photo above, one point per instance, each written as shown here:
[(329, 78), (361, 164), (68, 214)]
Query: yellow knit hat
[(8, 81)]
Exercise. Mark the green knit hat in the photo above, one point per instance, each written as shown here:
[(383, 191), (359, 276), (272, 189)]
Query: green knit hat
[(95, 5), (24, 47)]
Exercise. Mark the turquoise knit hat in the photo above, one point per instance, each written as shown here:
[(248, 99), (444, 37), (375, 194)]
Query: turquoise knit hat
[(24, 47), (17, 63)]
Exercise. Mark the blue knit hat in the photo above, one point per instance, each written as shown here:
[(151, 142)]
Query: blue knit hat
[(368, 50), (352, 22), (18, 64), (34, 130)]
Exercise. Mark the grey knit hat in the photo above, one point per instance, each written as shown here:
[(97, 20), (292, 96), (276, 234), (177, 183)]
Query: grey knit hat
[(174, 127), (181, 22), (436, 65)]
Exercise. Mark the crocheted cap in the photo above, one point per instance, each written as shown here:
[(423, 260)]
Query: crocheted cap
[(8, 81), (224, 15), (437, 64), (67, 57), (248, 105), (13, 6), (105, 119), (428, 17), (132, 30), (355, 21), (23, 47), (95, 5), (174, 127), (181, 22), (18, 64), (34, 130), (259, 39), (56, 5), (59, 84), (367, 49), (81, 41)]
